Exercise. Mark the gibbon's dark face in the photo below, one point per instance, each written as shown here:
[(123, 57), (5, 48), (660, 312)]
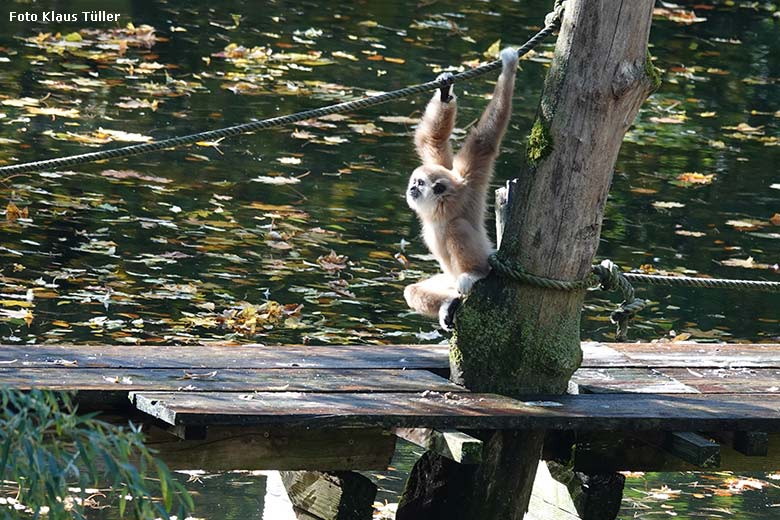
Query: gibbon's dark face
[(428, 187)]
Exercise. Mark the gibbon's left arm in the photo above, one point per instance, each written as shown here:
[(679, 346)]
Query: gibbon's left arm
[(432, 137), (474, 162)]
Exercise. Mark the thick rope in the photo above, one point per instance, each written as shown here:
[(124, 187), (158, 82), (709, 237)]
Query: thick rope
[(551, 24), (609, 277)]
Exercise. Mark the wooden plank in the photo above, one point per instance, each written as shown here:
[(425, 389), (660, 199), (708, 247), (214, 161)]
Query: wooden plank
[(621, 380), (124, 380), (601, 355), (727, 380), (210, 357), (705, 355), (228, 448), (454, 445), (692, 447), (678, 380), (430, 357), (667, 412), (550, 499), (752, 444)]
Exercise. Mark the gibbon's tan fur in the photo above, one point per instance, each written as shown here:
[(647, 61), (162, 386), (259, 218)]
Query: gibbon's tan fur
[(448, 194)]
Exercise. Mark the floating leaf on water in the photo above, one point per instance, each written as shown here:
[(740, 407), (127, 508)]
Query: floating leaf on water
[(493, 51), (747, 263), (696, 178), (335, 139), (745, 224), (686, 233), (132, 174), (676, 119), (289, 160), (139, 103), (659, 204), (332, 262), (402, 120), (745, 128), (278, 181), (14, 213), (366, 128), (20, 102), (302, 134), (677, 14), (71, 113), (345, 55)]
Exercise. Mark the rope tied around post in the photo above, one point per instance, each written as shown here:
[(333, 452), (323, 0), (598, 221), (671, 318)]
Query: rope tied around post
[(552, 22), (609, 277)]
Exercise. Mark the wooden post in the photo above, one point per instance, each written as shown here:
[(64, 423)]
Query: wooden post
[(340, 495), (514, 339)]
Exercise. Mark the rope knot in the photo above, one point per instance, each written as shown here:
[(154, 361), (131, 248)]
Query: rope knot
[(611, 278), (555, 16), (605, 275)]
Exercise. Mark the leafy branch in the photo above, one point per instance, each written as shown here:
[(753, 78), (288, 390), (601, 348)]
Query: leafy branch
[(50, 455)]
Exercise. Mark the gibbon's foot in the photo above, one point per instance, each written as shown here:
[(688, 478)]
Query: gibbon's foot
[(446, 92), (509, 58), (447, 313), (466, 281)]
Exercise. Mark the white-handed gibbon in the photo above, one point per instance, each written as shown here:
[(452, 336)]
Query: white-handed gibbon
[(448, 194)]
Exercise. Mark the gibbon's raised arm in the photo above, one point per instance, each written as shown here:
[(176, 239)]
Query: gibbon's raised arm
[(432, 137), (474, 162)]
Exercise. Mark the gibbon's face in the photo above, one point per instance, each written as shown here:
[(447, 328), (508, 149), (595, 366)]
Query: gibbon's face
[(428, 187)]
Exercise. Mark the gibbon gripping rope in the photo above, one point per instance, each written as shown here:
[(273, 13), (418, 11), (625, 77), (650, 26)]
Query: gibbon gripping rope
[(551, 24)]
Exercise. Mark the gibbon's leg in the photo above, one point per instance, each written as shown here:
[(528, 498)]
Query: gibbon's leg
[(432, 138), (474, 161), (434, 298)]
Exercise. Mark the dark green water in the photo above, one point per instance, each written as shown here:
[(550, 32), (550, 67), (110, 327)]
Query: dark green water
[(172, 250)]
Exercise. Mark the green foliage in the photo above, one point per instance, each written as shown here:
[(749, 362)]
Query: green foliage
[(50, 456), (653, 72)]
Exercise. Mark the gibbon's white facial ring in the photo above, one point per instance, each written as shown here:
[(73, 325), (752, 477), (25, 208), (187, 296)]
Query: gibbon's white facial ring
[(422, 195)]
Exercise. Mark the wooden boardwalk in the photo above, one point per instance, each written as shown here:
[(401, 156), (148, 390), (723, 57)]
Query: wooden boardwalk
[(289, 402)]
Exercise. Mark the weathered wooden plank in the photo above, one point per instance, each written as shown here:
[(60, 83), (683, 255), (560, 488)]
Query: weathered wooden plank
[(693, 448), (550, 499), (431, 357), (222, 357), (667, 412), (341, 495), (712, 355), (228, 448), (727, 380), (454, 445), (678, 380), (637, 380), (752, 444), (226, 380)]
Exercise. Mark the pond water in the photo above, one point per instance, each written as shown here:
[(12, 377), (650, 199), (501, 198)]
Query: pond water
[(301, 234)]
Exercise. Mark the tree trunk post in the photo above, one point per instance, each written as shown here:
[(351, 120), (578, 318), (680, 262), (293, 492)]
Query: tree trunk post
[(517, 339)]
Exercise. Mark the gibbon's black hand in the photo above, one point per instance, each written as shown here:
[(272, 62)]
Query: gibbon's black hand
[(446, 92)]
